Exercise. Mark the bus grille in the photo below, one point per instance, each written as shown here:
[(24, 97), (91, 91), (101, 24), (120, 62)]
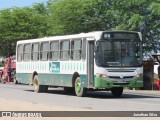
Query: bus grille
[(118, 77), (121, 70)]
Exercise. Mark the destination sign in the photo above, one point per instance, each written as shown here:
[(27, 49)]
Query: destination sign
[(119, 35)]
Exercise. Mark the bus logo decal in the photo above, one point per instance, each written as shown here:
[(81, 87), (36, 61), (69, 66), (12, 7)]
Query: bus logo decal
[(121, 76), (54, 67)]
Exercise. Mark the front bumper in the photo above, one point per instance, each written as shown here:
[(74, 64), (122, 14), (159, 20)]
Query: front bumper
[(106, 83)]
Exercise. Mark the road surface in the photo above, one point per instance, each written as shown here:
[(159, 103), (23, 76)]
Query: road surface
[(22, 98), (131, 100)]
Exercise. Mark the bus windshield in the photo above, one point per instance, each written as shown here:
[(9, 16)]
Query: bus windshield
[(118, 53)]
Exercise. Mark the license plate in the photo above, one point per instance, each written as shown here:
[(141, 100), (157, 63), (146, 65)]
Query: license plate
[(122, 81)]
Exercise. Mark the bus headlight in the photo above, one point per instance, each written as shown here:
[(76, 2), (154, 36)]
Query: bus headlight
[(139, 75), (102, 75)]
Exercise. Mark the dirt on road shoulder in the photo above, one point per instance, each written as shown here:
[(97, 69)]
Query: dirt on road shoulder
[(15, 105)]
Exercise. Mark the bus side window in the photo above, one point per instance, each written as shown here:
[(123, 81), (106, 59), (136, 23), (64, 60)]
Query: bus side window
[(35, 52), (27, 52), (20, 53), (64, 50), (54, 50), (44, 51), (76, 48)]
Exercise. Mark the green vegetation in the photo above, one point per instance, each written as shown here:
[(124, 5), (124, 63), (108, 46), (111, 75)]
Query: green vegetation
[(60, 17)]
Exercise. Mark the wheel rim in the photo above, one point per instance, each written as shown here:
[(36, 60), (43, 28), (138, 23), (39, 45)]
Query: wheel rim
[(78, 87)]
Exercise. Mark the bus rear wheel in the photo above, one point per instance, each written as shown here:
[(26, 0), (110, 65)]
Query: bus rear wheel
[(15, 81), (37, 87), (117, 92), (79, 90)]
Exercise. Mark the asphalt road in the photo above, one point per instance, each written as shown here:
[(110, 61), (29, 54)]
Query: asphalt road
[(131, 100)]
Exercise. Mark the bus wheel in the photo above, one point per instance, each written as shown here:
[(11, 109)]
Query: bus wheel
[(37, 87), (79, 90), (117, 92), (15, 80)]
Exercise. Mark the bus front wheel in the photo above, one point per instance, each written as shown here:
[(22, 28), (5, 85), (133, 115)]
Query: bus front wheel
[(79, 90), (117, 92), (37, 87)]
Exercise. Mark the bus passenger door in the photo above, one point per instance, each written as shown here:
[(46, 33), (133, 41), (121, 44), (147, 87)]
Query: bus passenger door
[(90, 63)]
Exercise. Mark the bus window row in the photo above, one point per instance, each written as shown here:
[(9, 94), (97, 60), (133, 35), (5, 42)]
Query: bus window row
[(53, 50)]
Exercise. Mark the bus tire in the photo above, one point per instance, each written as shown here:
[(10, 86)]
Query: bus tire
[(15, 81), (37, 87), (79, 90), (117, 92)]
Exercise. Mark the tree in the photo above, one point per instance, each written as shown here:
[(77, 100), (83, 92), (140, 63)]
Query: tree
[(76, 16), (60, 17), (140, 15), (21, 23)]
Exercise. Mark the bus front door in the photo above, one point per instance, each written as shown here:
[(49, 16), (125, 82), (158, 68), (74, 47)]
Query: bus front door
[(90, 63)]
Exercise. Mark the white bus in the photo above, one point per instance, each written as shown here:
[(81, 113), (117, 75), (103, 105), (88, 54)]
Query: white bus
[(101, 60)]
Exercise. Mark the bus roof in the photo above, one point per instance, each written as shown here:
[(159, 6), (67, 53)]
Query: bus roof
[(95, 35)]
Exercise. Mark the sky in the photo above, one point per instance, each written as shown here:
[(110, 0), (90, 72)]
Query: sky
[(18, 3)]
